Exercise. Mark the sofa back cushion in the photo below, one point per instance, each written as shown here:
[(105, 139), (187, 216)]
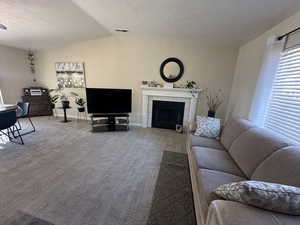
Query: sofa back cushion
[(233, 128), (282, 167), (254, 146)]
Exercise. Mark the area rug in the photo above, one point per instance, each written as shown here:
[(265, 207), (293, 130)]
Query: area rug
[(172, 202), (21, 218)]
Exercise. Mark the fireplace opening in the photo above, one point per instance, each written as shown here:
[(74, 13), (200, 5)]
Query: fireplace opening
[(167, 114)]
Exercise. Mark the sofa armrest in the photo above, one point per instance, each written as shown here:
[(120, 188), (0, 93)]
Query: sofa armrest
[(223, 212)]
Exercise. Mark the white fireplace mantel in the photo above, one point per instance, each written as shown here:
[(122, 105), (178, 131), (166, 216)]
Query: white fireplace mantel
[(188, 96)]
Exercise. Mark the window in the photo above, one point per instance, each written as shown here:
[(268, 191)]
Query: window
[(283, 109)]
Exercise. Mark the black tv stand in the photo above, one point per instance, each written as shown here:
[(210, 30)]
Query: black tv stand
[(110, 122)]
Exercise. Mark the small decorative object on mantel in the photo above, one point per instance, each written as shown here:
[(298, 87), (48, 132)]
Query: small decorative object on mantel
[(168, 85), (154, 84), (179, 85), (80, 102), (214, 100), (190, 84), (145, 83)]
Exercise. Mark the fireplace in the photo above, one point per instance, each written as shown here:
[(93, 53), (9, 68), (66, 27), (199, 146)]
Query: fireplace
[(166, 114), (177, 95)]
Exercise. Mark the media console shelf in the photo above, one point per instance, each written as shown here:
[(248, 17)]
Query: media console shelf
[(110, 122)]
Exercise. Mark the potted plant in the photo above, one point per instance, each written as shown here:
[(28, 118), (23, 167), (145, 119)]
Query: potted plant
[(79, 101), (214, 100), (53, 98), (63, 97), (190, 84), (64, 101)]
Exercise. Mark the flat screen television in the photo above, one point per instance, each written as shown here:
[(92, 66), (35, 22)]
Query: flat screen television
[(104, 100)]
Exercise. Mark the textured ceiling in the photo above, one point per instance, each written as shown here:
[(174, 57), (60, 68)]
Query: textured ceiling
[(35, 24), (218, 22), (54, 23)]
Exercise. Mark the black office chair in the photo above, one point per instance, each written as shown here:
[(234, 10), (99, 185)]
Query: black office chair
[(8, 122), (25, 106)]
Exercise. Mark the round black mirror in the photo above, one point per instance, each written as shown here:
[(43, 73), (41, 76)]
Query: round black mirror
[(171, 70)]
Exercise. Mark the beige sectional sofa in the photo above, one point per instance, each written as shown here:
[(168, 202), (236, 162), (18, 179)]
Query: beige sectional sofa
[(244, 152)]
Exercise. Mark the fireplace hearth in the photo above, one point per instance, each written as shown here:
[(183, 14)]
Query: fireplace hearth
[(166, 114)]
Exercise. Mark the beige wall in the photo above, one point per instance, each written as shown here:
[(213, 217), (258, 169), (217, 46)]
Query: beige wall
[(14, 73), (248, 67), (123, 62)]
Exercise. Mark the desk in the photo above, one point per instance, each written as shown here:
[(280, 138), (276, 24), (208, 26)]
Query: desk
[(65, 114), (39, 105)]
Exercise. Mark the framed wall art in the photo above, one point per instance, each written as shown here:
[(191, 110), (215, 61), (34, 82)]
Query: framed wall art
[(70, 74)]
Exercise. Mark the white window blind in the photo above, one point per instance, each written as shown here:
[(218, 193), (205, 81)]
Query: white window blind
[(283, 110)]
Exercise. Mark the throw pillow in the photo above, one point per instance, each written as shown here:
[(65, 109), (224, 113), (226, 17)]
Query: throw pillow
[(208, 127), (274, 197)]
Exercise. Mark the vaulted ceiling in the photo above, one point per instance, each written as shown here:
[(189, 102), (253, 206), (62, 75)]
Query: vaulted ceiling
[(35, 24), (38, 24)]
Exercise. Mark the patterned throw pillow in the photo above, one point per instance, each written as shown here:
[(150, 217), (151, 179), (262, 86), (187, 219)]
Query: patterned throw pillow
[(208, 127), (274, 197)]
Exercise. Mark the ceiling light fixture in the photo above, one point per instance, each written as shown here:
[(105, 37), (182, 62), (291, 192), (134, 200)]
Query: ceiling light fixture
[(122, 30), (3, 27)]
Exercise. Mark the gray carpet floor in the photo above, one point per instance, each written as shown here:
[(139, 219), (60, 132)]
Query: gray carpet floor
[(66, 175), (21, 218)]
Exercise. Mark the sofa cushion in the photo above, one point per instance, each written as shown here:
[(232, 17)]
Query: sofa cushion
[(233, 129), (281, 167), (206, 142), (211, 179), (233, 213), (253, 146), (208, 158), (274, 197), (208, 127)]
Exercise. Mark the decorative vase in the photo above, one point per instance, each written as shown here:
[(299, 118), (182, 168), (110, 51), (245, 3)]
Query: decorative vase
[(81, 109), (179, 128), (211, 113), (65, 103)]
